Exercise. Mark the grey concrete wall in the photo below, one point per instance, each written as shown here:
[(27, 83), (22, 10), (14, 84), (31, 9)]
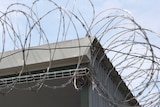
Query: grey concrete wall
[(96, 100), (65, 97)]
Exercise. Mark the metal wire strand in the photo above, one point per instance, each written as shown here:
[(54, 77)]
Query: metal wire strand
[(133, 50)]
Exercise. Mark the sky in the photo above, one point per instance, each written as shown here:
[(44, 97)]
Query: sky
[(146, 13)]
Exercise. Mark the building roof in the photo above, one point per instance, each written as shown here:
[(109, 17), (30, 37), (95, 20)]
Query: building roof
[(39, 57), (57, 55)]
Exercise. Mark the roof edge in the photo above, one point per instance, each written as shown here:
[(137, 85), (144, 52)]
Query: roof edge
[(116, 78)]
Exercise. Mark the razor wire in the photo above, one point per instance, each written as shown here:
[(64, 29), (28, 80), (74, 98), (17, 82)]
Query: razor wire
[(133, 50)]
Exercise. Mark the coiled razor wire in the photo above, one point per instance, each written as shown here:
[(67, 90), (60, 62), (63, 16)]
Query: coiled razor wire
[(133, 50)]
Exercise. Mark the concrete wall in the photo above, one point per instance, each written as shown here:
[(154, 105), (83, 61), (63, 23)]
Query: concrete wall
[(64, 97), (96, 100)]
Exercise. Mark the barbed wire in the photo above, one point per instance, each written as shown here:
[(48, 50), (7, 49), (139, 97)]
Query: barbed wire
[(132, 50)]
